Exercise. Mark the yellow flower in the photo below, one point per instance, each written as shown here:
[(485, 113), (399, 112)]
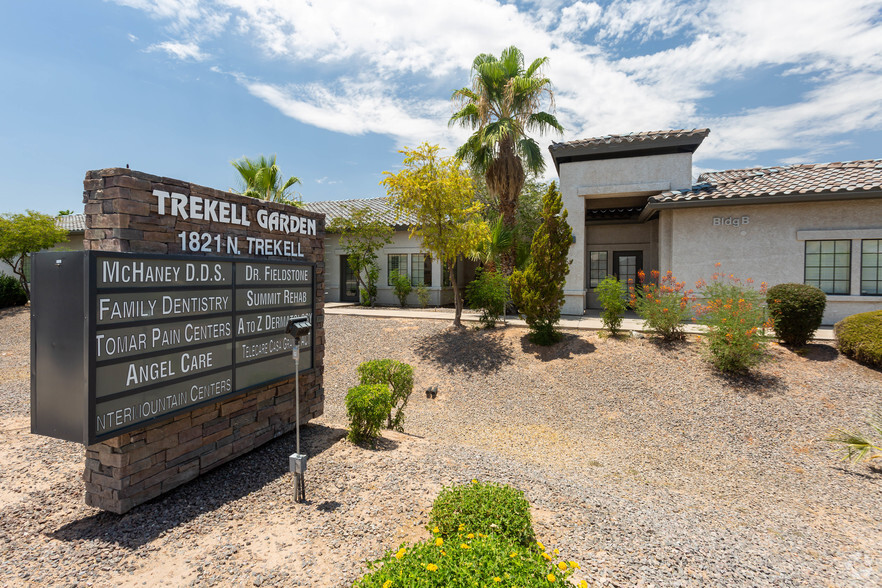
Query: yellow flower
[(436, 530), (387, 584), (512, 554), (462, 527), (432, 568), (439, 542), (551, 577), (497, 579), (583, 584), (562, 566), (546, 556), (574, 565), (465, 546), (470, 536), (556, 552), (443, 553), (542, 547), (400, 553)]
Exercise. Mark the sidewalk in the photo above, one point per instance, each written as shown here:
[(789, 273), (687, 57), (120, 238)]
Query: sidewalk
[(589, 321)]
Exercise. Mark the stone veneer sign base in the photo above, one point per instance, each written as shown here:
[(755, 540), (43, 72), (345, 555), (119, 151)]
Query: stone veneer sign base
[(136, 213)]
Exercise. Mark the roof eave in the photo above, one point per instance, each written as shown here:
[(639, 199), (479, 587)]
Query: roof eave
[(563, 153), (652, 207)]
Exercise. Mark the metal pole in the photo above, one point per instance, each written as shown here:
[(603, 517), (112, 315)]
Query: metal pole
[(297, 391)]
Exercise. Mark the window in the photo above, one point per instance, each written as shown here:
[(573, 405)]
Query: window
[(598, 268), (420, 269), (828, 265), (397, 262), (871, 267)]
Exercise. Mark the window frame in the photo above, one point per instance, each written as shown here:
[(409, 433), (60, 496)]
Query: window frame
[(593, 282), (878, 267), (426, 260), (390, 269), (817, 282)]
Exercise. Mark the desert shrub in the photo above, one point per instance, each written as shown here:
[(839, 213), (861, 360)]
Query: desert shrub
[(11, 292), (398, 378), (482, 507), (401, 286), (466, 560), (613, 297), (797, 311), (422, 293), (734, 316), (859, 446), (663, 303), (488, 292), (860, 337), (369, 295), (367, 407)]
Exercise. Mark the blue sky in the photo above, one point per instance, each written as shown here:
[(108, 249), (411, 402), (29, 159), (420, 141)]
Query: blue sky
[(180, 88)]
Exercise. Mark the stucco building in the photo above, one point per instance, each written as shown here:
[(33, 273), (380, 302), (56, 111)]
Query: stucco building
[(818, 224), (403, 254)]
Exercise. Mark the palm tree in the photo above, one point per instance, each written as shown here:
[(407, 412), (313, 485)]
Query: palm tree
[(502, 106), (262, 179)]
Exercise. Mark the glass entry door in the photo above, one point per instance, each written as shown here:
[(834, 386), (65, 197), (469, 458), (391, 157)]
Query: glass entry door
[(626, 264), (348, 282)]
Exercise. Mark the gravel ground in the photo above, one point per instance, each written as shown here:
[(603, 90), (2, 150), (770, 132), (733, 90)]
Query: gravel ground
[(639, 461)]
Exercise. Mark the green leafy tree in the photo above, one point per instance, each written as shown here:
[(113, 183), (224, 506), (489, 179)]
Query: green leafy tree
[(362, 235), (439, 196), (23, 234), (538, 290), (502, 106), (262, 179)]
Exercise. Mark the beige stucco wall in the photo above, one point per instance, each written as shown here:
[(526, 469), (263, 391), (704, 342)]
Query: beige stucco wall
[(770, 247), (385, 294), (624, 177)]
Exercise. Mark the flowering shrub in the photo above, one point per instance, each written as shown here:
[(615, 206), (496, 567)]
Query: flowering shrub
[(733, 313), (613, 299), (469, 559), (367, 407), (663, 303), (484, 507)]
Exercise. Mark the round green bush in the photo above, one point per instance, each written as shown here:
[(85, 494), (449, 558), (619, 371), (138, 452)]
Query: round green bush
[(860, 337), (367, 406), (482, 507), (11, 292), (797, 311)]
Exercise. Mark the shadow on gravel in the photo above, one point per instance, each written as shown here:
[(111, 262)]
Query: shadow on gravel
[(875, 472), (566, 348), (465, 349), (762, 385), (816, 352), (228, 483)]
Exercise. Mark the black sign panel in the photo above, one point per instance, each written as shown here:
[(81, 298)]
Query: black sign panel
[(169, 333)]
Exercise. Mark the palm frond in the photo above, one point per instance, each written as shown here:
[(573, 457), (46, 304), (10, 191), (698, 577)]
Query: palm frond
[(857, 445), (531, 154)]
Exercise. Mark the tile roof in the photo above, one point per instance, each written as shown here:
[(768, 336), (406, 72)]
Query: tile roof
[(793, 180), (72, 223), (644, 139), (381, 207)]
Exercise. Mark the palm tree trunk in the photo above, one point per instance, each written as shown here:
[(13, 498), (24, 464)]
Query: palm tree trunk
[(505, 178)]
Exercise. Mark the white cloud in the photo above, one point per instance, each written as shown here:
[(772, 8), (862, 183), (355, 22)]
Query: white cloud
[(182, 51), (389, 66), (327, 181)]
